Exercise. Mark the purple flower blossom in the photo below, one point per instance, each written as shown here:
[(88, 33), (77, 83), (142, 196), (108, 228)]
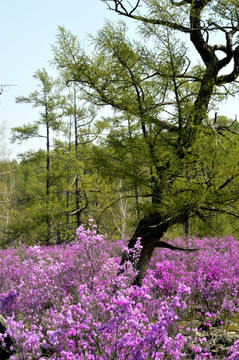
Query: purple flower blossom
[(61, 303)]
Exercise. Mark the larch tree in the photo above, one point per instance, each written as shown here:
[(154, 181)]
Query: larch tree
[(49, 99), (167, 81), (81, 133)]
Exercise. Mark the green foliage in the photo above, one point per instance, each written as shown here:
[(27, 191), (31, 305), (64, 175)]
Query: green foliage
[(7, 193), (137, 137), (25, 132), (160, 139)]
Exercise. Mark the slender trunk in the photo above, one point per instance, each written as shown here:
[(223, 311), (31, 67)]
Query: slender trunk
[(77, 194), (77, 189), (68, 178), (67, 206), (186, 227), (48, 218), (136, 193)]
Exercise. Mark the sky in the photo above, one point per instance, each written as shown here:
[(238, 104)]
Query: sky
[(28, 29)]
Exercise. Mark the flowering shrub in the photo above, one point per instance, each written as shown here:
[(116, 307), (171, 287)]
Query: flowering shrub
[(234, 351), (68, 303)]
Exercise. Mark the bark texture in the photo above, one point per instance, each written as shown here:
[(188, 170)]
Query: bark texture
[(5, 352), (150, 230)]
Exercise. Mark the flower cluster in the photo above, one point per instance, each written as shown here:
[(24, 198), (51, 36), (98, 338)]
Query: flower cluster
[(62, 302)]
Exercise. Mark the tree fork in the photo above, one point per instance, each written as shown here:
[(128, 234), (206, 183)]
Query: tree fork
[(150, 230)]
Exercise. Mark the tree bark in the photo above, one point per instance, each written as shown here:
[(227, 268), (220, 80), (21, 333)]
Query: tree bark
[(150, 230), (5, 352)]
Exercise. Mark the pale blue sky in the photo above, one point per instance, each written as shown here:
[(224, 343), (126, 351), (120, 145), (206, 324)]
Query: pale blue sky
[(28, 28)]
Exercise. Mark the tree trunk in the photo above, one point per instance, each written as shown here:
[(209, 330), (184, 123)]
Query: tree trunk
[(150, 229), (186, 227), (48, 217), (5, 352), (77, 194)]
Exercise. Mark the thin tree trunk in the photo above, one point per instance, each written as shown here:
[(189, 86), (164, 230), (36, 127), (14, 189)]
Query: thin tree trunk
[(136, 192), (77, 194), (68, 178), (48, 217), (77, 189), (186, 227)]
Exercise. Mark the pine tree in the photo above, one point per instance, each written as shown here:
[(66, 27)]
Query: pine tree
[(50, 101)]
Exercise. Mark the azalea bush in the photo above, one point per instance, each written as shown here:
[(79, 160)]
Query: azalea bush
[(69, 302)]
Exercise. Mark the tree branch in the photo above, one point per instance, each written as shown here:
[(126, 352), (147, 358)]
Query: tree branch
[(222, 186), (164, 245), (220, 211), (225, 79), (197, 39), (120, 9), (183, 2)]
